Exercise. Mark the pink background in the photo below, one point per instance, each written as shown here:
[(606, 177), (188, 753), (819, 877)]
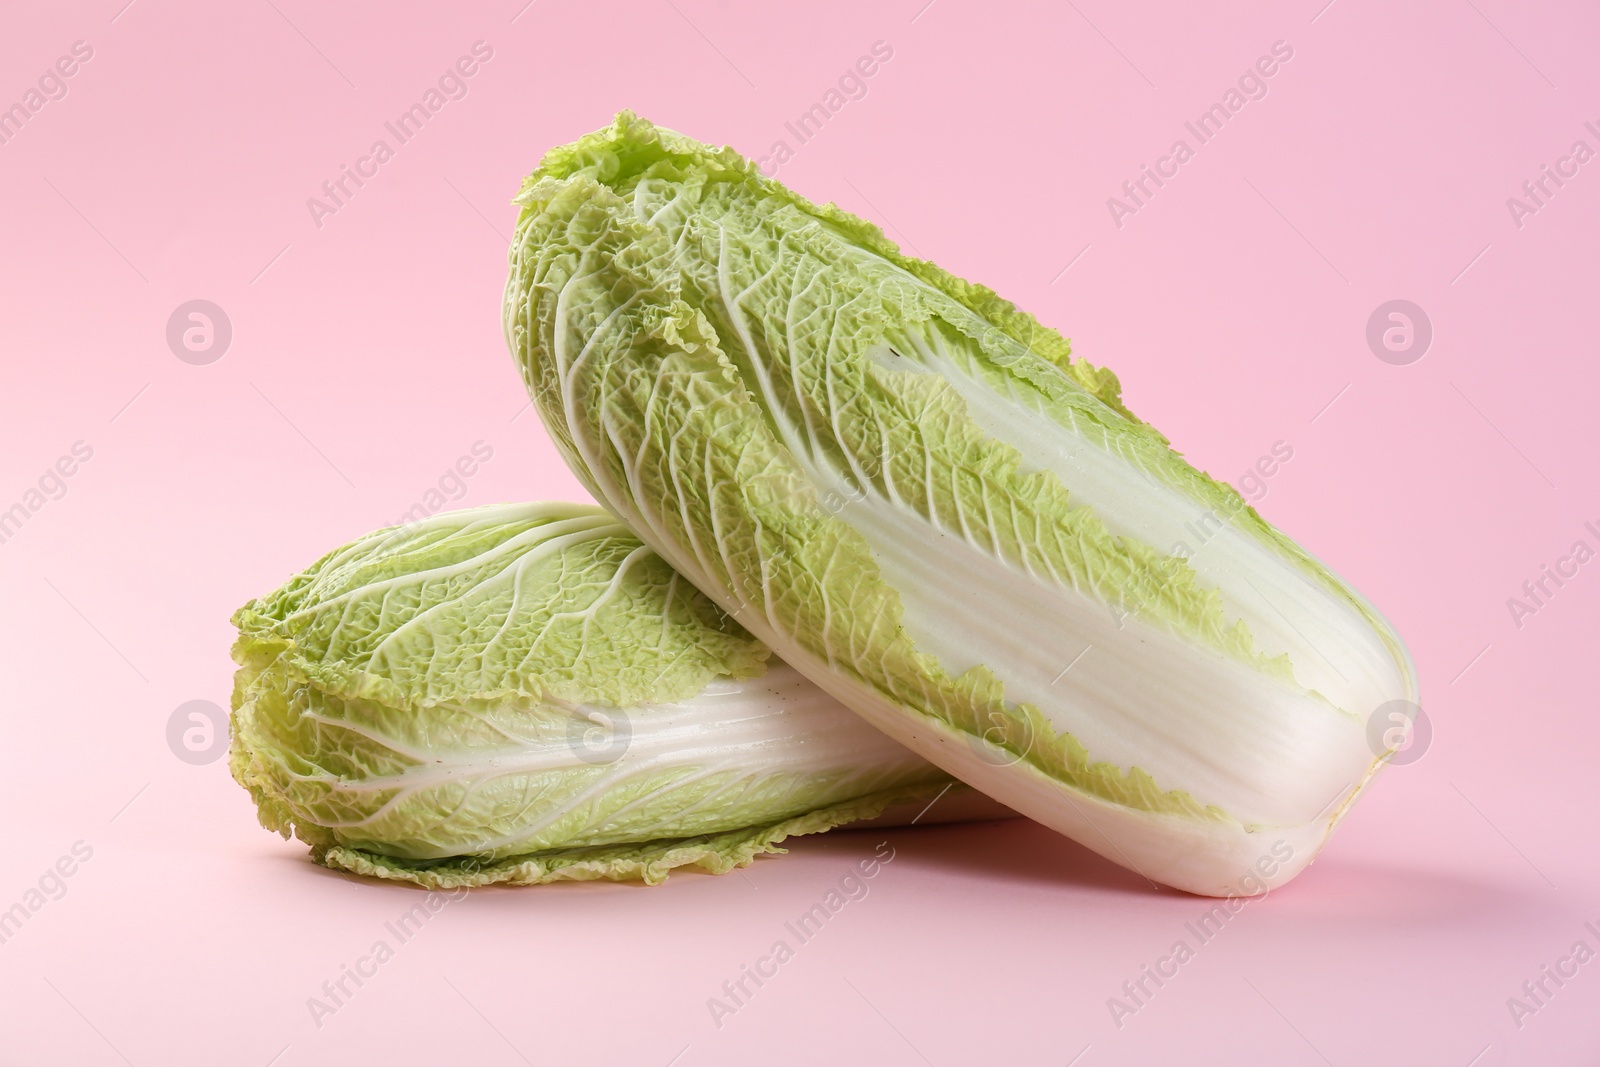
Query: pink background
[(367, 357)]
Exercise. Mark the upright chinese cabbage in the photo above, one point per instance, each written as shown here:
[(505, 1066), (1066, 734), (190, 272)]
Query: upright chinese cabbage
[(526, 693), (908, 489)]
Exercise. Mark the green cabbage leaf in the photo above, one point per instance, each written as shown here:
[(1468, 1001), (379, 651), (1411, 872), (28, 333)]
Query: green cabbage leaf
[(916, 496), (527, 693)]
